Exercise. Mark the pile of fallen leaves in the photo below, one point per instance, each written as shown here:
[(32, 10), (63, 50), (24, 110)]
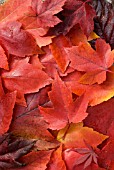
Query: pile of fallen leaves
[(56, 85)]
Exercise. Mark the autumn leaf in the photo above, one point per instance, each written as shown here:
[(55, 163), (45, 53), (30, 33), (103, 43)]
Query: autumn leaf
[(10, 10), (12, 149), (45, 12), (100, 117), (59, 54), (50, 65), (3, 61), (16, 40), (104, 20), (96, 93), (80, 13), (106, 156), (39, 35), (56, 161), (36, 160), (65, 110), (56, 85), (71, 158), (72, 35), (94, 63), (27, 121), (88, 156), (24, 78), (7, 102), (84, 14), (73, 136)]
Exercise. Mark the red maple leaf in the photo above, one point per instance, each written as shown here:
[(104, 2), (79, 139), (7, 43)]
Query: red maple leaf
[(94, 63), (65, 110), (88, 156), (45, 12)]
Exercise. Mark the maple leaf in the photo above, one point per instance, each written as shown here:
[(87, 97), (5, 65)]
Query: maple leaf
[(50, 65), (94, 63), (27, 122), (59, 54), (45, 11), (12, 149), (73, 136), (10, 10), (72, 35), (75, 40), (56, 161), (71, 158), (80, 13), (36, 160), (64, 110), (100, 93), (100, 117), (88, 156), (106, 156), (25, 78), (16, 40), (3, 59), (84, 14), (38, 34), (7, 102)]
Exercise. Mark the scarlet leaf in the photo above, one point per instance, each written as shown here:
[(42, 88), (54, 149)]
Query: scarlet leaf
[(59, 54), (56, 161), (62, 101), (7, 102), (100, 117), (38, 34), (106, 155), (88, 157), (36, 160), (84, 14), (45, 11), (94, 63), (3, 59), (16, 40), (25, 78), (71, 158), (72, 35), (27, 122), (10, 10)]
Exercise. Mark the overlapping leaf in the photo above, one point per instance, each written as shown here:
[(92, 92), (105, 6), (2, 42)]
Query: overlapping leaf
[(12, 149), (10, 10), (7, 102), (94, 63), (25, 78), (56, 161), (51, 68), (73, 136), (16, 40), (45, 11), (27, 122), (65, 110), (80, 13), (3, 59)]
